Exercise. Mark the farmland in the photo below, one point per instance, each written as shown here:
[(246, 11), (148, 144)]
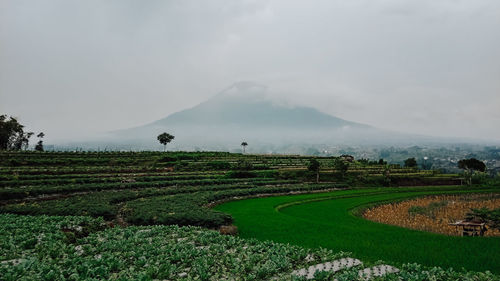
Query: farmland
[(149, 215), (434, 213), (167, 188), (332, 220)]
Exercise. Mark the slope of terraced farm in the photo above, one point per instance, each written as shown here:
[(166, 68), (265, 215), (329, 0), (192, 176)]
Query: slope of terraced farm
[(105, 211), (165, 188)]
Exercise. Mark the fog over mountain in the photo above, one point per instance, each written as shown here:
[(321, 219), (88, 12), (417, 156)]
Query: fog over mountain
[(73, 69), (245, 112)]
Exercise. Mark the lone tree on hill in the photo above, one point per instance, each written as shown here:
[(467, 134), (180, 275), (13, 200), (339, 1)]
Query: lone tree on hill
[(12, 135), (470, 166), (39, 144), (411, 163), (244, 144), (314, 166), (165, 138)]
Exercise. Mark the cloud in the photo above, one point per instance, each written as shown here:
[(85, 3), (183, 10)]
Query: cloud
[(76, 68)]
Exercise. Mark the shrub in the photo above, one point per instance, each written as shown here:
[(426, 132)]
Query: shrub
[(219, 165)]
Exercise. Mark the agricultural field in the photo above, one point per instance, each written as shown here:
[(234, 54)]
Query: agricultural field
[(169, 188), (434, 213), (151, 215), (333, 220)]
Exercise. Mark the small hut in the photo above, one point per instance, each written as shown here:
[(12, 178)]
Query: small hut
[(471, 228)]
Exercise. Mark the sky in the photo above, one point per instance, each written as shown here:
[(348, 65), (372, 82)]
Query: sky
[(73, 69)]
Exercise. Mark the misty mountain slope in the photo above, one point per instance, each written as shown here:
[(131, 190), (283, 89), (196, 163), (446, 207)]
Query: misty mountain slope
[(243, 104), (244, 112)]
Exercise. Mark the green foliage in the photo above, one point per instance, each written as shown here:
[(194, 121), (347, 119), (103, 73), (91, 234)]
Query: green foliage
[(140, 253), (165, 138), (142, 206), (219, 165), (490, 217), (12, 135), (411, 163), (470, 166), (132, 185), (244, 145), (241, 174), (314, 165), (151, 188), (242, 165), (341, 167), (327, 219), (417, 210), (429, 210), (167, 252), (39, 145)]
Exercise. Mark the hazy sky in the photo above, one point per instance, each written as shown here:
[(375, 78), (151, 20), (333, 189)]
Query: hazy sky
[(74, 68)]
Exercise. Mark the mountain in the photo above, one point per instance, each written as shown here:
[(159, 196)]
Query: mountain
[(244, 105), (243, 112)]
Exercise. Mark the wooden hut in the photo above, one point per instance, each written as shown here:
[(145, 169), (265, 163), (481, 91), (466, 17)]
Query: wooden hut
[(471, 228)]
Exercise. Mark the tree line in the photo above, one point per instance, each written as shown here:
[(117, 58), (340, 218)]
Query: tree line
[(13, 136)]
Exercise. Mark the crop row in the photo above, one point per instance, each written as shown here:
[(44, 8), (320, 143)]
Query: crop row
[(107, 179), (21, 177), (79, 248), (145, 253), (182, 206), (29, 191)]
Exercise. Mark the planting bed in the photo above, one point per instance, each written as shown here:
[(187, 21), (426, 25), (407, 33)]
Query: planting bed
[(83, 248)]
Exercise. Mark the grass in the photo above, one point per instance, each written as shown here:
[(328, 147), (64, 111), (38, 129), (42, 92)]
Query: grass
[(328, 220)]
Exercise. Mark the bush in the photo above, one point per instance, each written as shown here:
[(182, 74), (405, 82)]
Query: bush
[(219, 165), (243, 165), (241, 174)]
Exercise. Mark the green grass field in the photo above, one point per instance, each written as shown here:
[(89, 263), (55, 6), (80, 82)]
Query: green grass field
[(328, 220)]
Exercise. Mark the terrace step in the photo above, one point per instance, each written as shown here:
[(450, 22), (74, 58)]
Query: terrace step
[(333, 266)]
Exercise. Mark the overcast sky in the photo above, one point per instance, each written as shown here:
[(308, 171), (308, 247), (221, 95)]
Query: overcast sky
[(73, 68)]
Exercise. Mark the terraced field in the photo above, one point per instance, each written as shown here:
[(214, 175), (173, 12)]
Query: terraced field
[(35, 248), (165, 188), (120, 215), (331, 220)]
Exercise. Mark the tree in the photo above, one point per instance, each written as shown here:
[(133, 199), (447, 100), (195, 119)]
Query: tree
[(165, 138), (314, 166), (490, 217), (470, 166), (244, 144), (411, 162), (39, 145), (12, 135), (341, 167)]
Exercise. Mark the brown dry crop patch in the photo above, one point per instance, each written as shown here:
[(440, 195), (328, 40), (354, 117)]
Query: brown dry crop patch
[(433, 213)]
